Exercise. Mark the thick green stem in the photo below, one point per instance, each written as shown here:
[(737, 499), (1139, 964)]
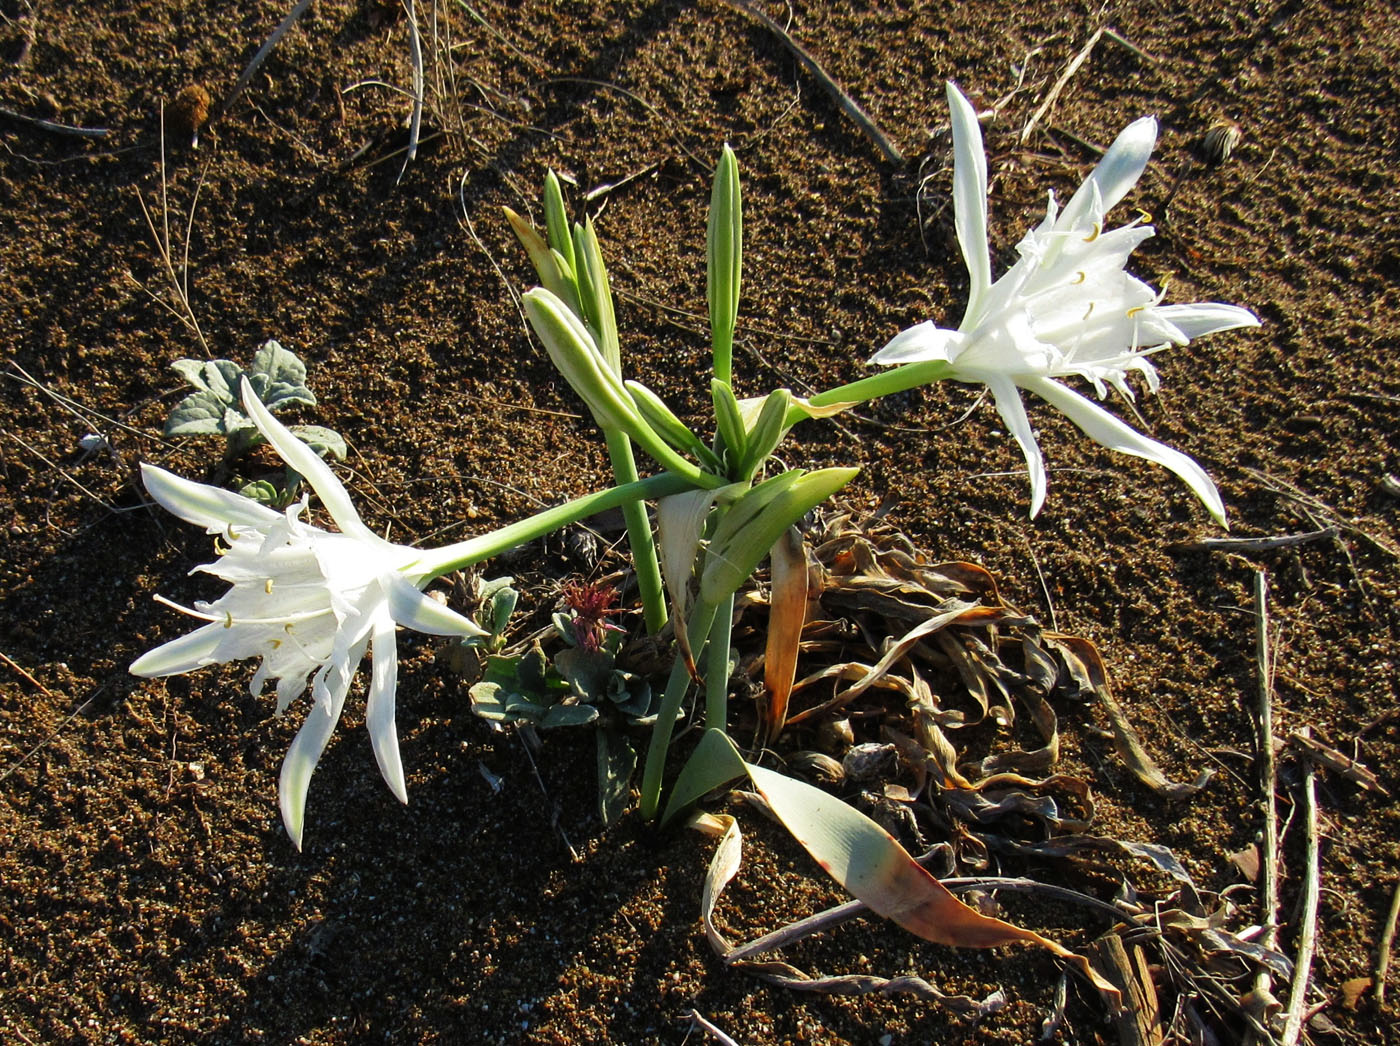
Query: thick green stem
[(717, 667), (897, 379), (634, 514), (436, 562), (676, 686)]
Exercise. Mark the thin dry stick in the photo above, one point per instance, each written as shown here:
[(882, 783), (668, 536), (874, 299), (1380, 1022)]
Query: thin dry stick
[(265, 50), (1383, 952), (1069, 72), (179, 283), (1268, 771), (25, 675), (53, 733), (845, 101), (1307, 934)]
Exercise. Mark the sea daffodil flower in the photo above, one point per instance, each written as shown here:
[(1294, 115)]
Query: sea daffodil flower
[(1066, 307), (308, 601)]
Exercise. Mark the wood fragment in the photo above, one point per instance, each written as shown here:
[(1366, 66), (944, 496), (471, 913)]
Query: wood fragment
[(1264, 544), (54, 128), (1383, 952), (1307, 931), (1065, 77), (847, 104), (1336, 762), (1139, 1021)]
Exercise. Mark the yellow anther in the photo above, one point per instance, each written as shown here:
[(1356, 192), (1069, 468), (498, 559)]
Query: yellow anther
[(1144, 216), (267, 586), (276, 643), (228, 619), (1095, 234), (1135, 310), (1088, 312), (1079, 277)]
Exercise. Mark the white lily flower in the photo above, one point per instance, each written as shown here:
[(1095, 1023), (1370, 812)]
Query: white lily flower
[(309, 602), (1067, 307)]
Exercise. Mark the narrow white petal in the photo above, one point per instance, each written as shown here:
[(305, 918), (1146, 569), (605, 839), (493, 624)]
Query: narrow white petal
[(379, 712), (203, 505), (422, 613), (918, 343), (1013, 413), (191, 651), (1116, 173), (333, 681), (1205, 317), (970, 196), (302, 458), (1102, 427)]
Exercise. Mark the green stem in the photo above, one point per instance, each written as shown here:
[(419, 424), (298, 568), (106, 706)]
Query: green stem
[(676, 686), (717, 667), (886, 383), (634, 514), (440, 561)]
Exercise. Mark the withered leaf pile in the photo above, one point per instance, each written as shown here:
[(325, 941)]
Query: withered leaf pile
[(926, 700)]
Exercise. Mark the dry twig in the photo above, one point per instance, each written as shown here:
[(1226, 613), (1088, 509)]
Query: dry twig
[(1307, 931), (1268, 774), (1258, 544)]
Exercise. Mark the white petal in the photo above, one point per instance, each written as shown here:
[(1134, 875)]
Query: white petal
[(1102, 427), (203, 505), (1206, 317), (422, 613), (302, 458), (1116, 173), (379, 712), (1013, 413), (332, 683), (923, 341), (970, 196), (191, 651)]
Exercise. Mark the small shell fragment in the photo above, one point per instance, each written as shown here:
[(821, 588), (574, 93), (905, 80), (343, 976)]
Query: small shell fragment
[(1220, 141)]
